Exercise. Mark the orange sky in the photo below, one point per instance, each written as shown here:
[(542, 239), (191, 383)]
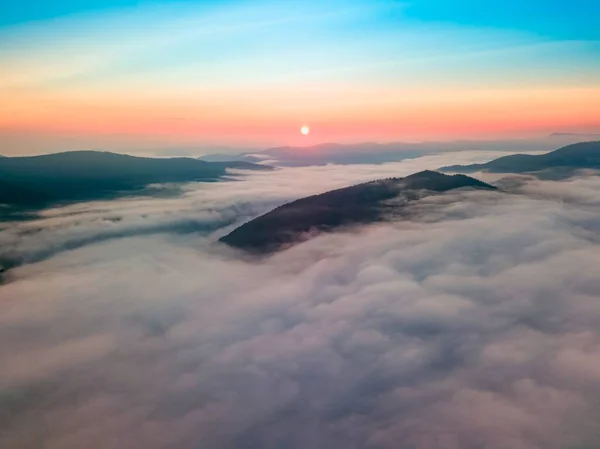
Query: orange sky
[(252, 78), (349, 114)]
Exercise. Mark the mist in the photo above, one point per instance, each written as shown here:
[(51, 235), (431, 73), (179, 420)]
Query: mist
[(201, 208), (472, 325)]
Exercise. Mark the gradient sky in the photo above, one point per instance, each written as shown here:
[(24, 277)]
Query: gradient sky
[(140, 75)]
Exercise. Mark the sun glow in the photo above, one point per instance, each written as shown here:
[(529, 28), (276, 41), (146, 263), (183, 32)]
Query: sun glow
[(305, 130)]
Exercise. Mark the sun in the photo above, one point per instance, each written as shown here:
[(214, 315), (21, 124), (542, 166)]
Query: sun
[(305, 130)]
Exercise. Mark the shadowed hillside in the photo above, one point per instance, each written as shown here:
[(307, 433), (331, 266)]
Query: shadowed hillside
[(567, 159), (83, 175), (361, 203)]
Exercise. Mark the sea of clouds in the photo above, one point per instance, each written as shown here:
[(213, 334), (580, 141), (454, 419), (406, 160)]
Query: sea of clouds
[(476, 324)]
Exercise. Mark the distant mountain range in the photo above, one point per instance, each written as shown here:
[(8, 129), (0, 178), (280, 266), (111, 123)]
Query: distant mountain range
[(325, 153), (565, 160), (359, 204), (578, 136), (361, 153), (224, 157), (378, 153), (37, 181)]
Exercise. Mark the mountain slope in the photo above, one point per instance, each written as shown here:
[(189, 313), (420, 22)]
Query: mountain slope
[(82, 175), (572, 157), (362, 203)]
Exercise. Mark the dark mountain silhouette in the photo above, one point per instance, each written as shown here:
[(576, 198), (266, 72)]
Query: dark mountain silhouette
[(564, 160), (362, 203), (83, 175)]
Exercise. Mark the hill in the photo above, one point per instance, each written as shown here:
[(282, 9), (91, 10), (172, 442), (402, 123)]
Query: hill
[(362, 203), (83, 175), (566, 159)]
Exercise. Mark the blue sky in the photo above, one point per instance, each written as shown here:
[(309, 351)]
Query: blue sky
[(554, 19), (252, 72), (560, 19)]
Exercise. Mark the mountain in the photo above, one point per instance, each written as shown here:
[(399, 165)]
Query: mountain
[(575, 136), (564, 160), (334, 153), (380, 153), (16, 194), (84, 175), (362, 203), (220, 157)]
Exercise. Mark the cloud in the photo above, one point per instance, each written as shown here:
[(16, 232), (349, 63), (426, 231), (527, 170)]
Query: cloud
[(473, 325), (201, 209)]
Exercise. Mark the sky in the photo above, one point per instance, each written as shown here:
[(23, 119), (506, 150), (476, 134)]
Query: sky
[(140, 75)]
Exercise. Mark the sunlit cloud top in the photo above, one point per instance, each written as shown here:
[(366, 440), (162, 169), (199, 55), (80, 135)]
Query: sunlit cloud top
[(145, 74)]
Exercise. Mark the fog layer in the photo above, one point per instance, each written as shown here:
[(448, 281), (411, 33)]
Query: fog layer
[(473, 325)]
